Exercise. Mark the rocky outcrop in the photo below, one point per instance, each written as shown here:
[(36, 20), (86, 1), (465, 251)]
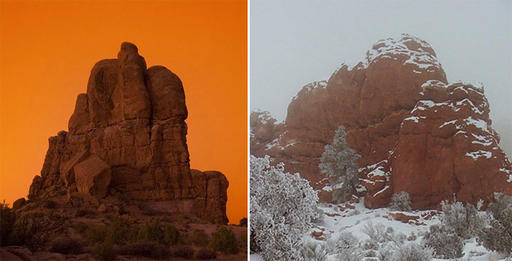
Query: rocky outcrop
[(413, 130), (127, 139), (212, 188)]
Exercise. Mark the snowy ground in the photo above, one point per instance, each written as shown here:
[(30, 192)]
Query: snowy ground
[(338, 219)]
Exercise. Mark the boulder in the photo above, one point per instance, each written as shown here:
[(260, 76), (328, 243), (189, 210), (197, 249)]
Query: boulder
[(93, 176)]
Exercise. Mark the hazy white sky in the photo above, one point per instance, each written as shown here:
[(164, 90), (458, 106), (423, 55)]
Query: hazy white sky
[(294, 42)]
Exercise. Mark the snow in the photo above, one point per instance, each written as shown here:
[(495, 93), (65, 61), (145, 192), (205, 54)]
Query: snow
[(448, 123), (480, 124), (355, 220), (433, 82), (316, 85), (479, 154), (327, 188), (380, 191), (396, 49), (413, 118)]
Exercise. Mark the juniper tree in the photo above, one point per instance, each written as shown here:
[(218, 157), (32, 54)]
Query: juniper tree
[(339, 163)]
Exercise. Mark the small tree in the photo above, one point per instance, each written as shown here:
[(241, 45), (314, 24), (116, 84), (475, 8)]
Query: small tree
[(283, 207), (339, 162)]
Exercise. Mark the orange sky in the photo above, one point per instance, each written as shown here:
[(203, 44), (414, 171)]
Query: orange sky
[(48, 49)]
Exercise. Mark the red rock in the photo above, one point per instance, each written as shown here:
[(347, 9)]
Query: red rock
[(19, 203), (211, 187), (404, 144), (127, 139), (403, 217), (92, 176)]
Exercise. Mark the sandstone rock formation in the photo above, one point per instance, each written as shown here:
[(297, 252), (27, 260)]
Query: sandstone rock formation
[(127, 140), (415, 131)]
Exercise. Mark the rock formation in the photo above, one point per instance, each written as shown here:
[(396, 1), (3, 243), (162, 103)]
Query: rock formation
[(415, 132), (127, 140)]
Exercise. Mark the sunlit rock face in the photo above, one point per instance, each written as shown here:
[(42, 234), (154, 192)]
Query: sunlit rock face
[(127, 138), (415, 132)]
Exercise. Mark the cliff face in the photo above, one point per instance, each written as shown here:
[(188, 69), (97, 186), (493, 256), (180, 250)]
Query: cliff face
[(413, 130), (127, 139)]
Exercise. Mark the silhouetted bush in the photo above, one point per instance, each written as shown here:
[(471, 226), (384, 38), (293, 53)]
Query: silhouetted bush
[(159, 232), (104, 250), (199, 238), (119, 231), (224, 240), (243, 222), (7, 219), (206, 253), (66, 245), (27, 231), (146, 249), (186, 252)]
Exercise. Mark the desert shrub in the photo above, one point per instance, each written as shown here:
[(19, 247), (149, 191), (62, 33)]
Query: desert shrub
[(400, 201), (412, 237), (157, 231), (224, 240), (283, 207), (104, 250), (498, 237), (119, 231), (146, 249), (463, 220), (66, 245), (84, 212), (346, 246), (206, 253), (412, 252), (314, 251), (7, 219), (374, 232), (338, 161), (186, 252), (80, 227), (199, 238), (445, 243), (242, 242), (28, 230)]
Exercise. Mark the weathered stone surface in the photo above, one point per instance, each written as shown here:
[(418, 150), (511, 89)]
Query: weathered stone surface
[(92, 176), (211, 201), (378, 100), (126, 139)]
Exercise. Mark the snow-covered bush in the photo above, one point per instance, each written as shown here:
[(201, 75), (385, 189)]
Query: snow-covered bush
[(499, 236), (346, 246), (463, 220), (374, 232), (400, 201), (412, 252), (445, 243), (338, 161), (283, 207), (314, 251)]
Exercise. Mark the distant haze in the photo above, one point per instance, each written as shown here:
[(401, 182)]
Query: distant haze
[(294, 42)]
